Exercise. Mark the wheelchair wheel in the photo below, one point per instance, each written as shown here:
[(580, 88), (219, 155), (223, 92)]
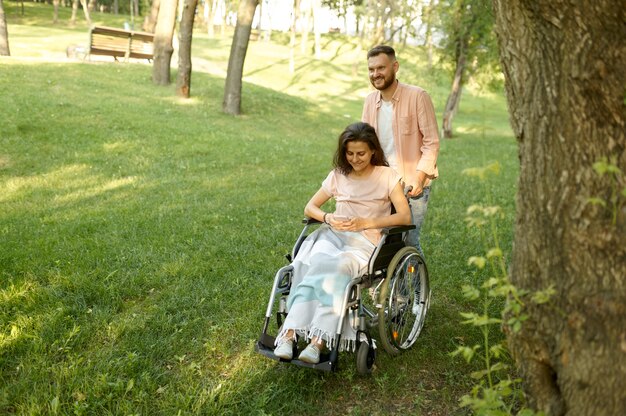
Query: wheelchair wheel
[(365, 357), (403, 301)]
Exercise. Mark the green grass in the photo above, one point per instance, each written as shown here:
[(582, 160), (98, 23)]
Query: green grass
[(140, 233)]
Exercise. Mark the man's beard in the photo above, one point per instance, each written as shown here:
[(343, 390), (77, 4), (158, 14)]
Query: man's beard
[(388, 82)]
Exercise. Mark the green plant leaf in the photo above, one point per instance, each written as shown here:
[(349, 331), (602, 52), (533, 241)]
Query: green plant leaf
[(543, 296), (596, 201), (470, 292), (477, 261)]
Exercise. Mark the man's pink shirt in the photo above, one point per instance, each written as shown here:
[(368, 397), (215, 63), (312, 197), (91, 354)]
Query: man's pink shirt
[(414, 126)]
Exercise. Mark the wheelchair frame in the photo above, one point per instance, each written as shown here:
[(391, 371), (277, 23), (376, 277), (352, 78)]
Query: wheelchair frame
[(392, 306)]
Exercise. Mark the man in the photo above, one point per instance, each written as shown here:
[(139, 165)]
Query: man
[(404, 118)]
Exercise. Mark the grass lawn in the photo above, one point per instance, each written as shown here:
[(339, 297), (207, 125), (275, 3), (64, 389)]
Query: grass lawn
[(140, 233)]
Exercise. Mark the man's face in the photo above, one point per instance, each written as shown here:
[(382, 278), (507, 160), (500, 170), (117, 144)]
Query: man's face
[(382, 71)]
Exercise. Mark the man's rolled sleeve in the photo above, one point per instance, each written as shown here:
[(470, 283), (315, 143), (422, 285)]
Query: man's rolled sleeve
[(427, 122)]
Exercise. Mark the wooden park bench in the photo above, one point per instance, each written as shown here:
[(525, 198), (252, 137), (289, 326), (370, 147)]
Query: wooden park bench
[(120, 43)]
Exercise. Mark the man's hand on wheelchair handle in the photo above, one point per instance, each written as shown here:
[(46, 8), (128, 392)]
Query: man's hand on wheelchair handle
[(417, 187)]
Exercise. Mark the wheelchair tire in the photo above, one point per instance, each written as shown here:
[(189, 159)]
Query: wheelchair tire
[(365, 357), (403, 301)]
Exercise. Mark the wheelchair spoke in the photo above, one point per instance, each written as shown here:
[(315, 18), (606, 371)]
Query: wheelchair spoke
[(405, 297)]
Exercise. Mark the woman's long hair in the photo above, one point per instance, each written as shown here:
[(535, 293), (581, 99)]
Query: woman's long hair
[(358, 132)]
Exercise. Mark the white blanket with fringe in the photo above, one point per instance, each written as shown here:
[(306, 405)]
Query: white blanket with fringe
[(323, 267)]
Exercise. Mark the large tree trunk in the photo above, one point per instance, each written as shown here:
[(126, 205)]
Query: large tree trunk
[(183, 83), (4, 34), (452, 104), (163, 49), (564, 67), (238, 49)]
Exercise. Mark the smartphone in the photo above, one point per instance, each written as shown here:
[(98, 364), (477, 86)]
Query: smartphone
[(341, 217)]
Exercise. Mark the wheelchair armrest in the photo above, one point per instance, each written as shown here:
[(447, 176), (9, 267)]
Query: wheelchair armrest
[(386, 231), (396, 229)]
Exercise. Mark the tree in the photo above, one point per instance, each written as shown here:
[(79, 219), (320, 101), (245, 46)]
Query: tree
[(163, 49), (149, 22), (4, 34), (238, 49), (210, 6), (292, 38), (564, 74), (427, 19), (55, 17), (183, 83), (83, 3), (468, 27)]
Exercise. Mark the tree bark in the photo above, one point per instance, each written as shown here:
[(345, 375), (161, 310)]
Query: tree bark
[(292, 38), (238, 49), (210, 8), (428, 40), (85, 11), (55, 16), (317, 31), (4, 33), (183, 83), (163, 49), (150, 21), (452, 103), (564, 71), (305, 19)]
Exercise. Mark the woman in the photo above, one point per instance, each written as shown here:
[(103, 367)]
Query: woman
[(364, 187)]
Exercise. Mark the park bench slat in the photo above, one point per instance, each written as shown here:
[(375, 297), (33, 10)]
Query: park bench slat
[(111, 41)]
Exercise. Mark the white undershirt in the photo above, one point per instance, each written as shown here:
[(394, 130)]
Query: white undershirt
[(385, 133)]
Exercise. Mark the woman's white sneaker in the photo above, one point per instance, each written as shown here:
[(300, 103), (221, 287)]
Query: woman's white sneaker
[(311, 354), (284, 350)]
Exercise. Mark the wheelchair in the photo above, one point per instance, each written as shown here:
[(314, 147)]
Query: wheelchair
[(393, 296)]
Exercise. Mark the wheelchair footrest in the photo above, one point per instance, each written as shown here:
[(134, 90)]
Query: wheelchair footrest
[(268, 351)]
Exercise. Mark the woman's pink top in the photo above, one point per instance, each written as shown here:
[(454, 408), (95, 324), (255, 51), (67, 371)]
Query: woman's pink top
[(367, 197)]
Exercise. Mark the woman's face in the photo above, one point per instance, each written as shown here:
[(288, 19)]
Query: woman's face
[(359, 155)]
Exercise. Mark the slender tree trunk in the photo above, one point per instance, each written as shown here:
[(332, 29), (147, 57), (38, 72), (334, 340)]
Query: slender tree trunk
[(4, 33), (163, 49), (305, 18), (55, 16), (564, 69), (238, 49), (267, 35), (74, 11), (317, 9), (183, 84), (86, 11), (210, 7), (292, 40), (135, 5), (452, 104), (224, 15), (149, 23), (428, 21), (116, 7)]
